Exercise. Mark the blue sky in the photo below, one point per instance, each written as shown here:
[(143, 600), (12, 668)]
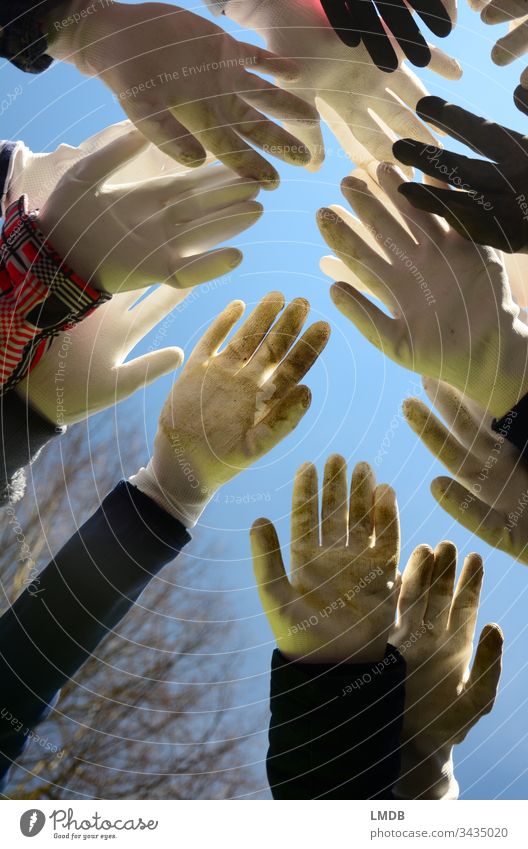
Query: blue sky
[(357, 393)]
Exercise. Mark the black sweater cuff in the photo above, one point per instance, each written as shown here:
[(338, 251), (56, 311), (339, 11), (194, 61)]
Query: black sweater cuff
[(335, 729)]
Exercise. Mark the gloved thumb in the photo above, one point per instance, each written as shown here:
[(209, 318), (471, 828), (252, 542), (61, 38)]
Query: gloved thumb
[(146, 369)]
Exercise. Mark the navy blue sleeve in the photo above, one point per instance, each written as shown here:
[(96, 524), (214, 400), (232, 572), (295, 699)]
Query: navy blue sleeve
[(23, 33), (58, 621), (7, 150), (335, 730)]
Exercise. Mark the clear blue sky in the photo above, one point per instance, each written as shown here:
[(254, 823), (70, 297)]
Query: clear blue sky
[(356, 392)]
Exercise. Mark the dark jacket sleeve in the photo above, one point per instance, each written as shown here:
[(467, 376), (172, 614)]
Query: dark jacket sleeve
[(514, 426), (7, 152), (335, 730), (58, 621), (24, 433), (23, 36)]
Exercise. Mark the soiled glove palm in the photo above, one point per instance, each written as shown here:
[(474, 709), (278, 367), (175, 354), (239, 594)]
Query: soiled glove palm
[(37, 174), (229, 408), (125, 236), (186, 83), (371, 23), (452, 313), (351, 94), (488, 495), (434, 633), (490, 205), (338, 604), (84, 371)]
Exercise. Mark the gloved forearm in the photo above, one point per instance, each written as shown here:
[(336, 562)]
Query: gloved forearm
[(335, 730)]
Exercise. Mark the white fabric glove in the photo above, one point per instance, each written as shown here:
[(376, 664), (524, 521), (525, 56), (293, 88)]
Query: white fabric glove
[(229, 408), (489, 493), (186, 84), (84, 370), (509, 47), (126, 236), (339, 601), (341, 81), (452, 313), (443, 701), (37, 174)]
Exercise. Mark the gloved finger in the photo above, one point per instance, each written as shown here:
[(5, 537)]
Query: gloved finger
[(512, 45), (304, 516), (97, 167), (464, 609), (460, 211), (353, 250), (520, 97), (451, 405), (375, 325), (390, 179), (401, 120), (481, 688), (342, 21), (160, 127), (376, 217), (399, 19), (279, 102), (281, 420), (441, 586), (268, 566), (387, 527), (477, 5), (483, 137), (453, 168), (337, 270), (299, 359), (414, 593), (267, 135), (374, 36), (334, 513), (443, 64), (212, 229), (458, 460), (144, 370), (151, 311), (218, 331), (198, 269), (405, 84), (279, 340), (269, 63), (361, 509), (499, 11), (435, 16), (248, 337), (471, 512), (198, 193), (366, 130)]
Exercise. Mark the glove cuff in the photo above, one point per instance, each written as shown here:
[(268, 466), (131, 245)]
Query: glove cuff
[(39, 294), (185, 506)]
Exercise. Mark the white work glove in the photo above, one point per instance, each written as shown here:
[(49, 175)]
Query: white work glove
[(342, 82), (339, 601), (186, 84), (452, 313), (443, 700), (509, 47), (489, 493), (126, 236), (84, 370), (229, 408), (37, 174)]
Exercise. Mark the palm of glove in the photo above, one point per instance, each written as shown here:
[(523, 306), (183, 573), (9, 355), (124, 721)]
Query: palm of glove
[(339, 602)]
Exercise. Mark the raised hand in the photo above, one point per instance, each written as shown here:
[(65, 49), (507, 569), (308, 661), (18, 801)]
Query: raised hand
[(229, 408), (488, 491), (124, 236), (338, 602), (188, 85), (346, 87), (443, 699), (490, 205), (452, 315)]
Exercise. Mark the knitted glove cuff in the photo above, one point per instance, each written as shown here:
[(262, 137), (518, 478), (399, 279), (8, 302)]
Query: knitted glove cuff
[(39, 295)]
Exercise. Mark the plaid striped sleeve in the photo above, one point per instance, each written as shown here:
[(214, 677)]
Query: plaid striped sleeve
[(39, 295)]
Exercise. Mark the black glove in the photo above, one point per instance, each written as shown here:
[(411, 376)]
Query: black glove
[(361, 20), (491, 207)]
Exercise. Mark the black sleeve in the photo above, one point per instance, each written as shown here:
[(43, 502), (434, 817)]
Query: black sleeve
[(23, 34), (335, 730), (88, 587), (24, 433), (514, 426)]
